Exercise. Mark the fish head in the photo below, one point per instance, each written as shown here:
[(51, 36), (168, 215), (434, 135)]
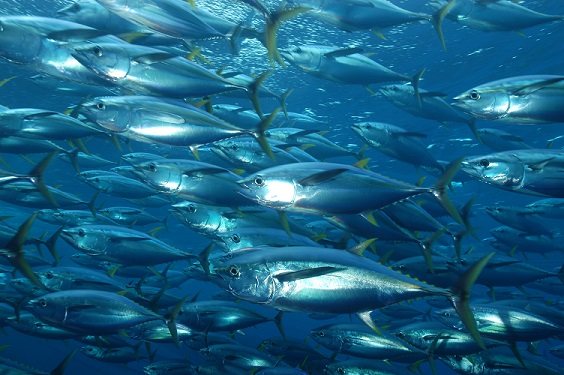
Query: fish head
[(496, 169), (19, 43), (234, 150), (104, 59), (89, 241), (249, 280), (400, 95), (110, 116), (277, 190), (464, 364), (373, 131), (197, 216), (92, 351), (165, 177), (50, 308), (52, 279), (484, 102), (85, 12), (304, 58)]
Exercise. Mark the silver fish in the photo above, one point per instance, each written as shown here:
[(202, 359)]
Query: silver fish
[(532, 171), (526, 100)]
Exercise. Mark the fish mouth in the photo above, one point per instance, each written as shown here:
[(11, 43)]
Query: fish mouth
[(468, 168)]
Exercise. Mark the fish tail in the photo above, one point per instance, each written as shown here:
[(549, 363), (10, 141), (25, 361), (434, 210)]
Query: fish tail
[(171, 320), (14, 251), (204, 256), (278, 321), (440, 188), (60, 369), (232, 39), (73, 156), (91, 206), (282, 100), (560, 274), (415, 83), (253, 90), (273, 22), (461, 296), (50, 243), (36, 176), (260, 133), (437, 21), (426, 245), (472, 126)]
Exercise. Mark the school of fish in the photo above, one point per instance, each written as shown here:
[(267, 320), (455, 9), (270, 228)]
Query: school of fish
[(174, 207)]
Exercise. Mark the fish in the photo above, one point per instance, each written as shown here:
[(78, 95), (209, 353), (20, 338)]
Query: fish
[(90, 311), (41, 124), (354, 15), (330, 189), (497, 15), (153, 120), (499, 140), (121, 245), (149, 71), (173, 18), (359, 341), (192, 180), (427, 104), (527, 100), (296, 279), (46, 50), (531, 171), (343, 65), (115, 184), (504, 323), (397, 142)]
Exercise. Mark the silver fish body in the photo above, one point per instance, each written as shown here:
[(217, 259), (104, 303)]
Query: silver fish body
[(121, 245), (537, 99), (150, 71), (89, 311), (532, 171), (340, 65)]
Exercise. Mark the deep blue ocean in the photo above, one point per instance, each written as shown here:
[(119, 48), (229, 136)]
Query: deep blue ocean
[(472, 57)]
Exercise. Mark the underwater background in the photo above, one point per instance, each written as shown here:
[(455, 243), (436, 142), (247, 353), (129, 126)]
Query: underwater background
[(472, 57)]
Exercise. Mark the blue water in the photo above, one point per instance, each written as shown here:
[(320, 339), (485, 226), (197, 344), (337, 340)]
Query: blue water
[(472, 57)]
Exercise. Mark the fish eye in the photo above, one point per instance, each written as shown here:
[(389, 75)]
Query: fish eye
[(368, 126), (96, 179), (49, 275), (474, 95), (191, 208), (234, 147), (101, 106), (484, 163), (235, 238), (75, 7), (81, 233), (321, 334), (446, 314), (463, 262), (42, 303), (267, 134), (1, 27), (234, 271), (341, 370), (152, 167), (97, 51), (259, 181), (400, 334)]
